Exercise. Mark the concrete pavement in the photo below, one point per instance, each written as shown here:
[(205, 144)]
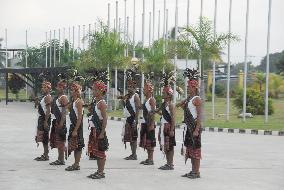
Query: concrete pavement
[(230, 161)]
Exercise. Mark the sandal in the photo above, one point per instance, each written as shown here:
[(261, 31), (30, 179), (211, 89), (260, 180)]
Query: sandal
[(149, 162), (42, 158), (143, 162), (57, 163), (194, 175), (131, 157), (98, 175), (91, 175), (72, 168), (166, 167), (187, 174)]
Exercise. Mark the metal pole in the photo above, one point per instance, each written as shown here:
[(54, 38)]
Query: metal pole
[(108, 16), (64, 42), (124, 36), (134, 18), (229, 65), (89, 37), (50, 49), (267, 63), (127, 33), (175, 59), (116, 15), (153, 35), (108, 28), (54, 48), (6, 45), (164, 25), (69, 42), (150, 18), (79, 38), (246, 66), (143, 41), (59, 48), (84, 37), (26, 62), (186, 61), (73, 44), (214, 64), (46, 41), (159, 19)]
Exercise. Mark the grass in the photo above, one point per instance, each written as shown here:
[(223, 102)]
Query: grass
[(257, 122), (276, 121)]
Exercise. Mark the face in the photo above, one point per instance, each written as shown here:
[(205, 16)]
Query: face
[(190, 89), (165, 95), (44, 89), (60, 88), (131, 89)]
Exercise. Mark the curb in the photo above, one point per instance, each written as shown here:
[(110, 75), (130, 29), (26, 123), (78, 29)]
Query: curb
[(224, 130)]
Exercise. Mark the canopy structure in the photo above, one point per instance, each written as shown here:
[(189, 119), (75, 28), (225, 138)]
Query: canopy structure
[(30, 75)]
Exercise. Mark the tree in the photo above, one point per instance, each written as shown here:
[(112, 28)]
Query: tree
[(199, 42), (2, 55), (260, 80), (280, 64), (274, 59)]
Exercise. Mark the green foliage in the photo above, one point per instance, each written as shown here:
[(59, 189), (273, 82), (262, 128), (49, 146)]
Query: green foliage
[(255, 102), (274, 59), (219, 90), (200, 42)]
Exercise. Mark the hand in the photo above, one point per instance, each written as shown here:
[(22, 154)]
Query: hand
[(101, 136), (172, 133), (74, 133), (196, 132)]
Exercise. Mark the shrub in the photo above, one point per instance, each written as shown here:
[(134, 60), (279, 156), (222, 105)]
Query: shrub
[(255, 102)]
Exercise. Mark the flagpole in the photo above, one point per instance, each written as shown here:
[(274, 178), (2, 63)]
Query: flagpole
[(50, 49), (186, 61), (246, 66), (73, 44), (134, 18), (26, 57), (54, 48), (153, 35), (175, 58), (214, 64), (46, 41), (59, 46), (108, 28), (267, 63), (159, 20), (143, 44), (229, 65)]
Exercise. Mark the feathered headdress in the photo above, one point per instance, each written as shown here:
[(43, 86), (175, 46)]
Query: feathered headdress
[(45, 81), (193, 76), (148, 81), (166, 81), (98, 79), (132, 76)]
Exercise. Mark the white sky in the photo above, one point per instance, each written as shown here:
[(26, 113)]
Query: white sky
[(39, 16)]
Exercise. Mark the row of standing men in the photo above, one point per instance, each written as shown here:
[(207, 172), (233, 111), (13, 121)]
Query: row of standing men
[(52, 112)]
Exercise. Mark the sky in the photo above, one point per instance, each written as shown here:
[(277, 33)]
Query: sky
[(41, 16)]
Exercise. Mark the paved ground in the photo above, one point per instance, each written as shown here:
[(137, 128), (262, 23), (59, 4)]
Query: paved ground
[(230, 161)]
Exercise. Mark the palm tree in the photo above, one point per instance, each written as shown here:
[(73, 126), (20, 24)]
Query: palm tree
[(260, 80), (199, 42)]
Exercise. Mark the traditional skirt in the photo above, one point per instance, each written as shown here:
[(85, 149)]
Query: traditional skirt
[(193, 150), (42, 133), (57, 135), (130, 131), (75, 143), (97, 147), (166, 141), (147, 137)]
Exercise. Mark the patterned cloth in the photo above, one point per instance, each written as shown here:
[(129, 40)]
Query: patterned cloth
[(130, 133), (57, 135), (42, 133), (95, 145), (147, 138), (169, 142), (193, 153)]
